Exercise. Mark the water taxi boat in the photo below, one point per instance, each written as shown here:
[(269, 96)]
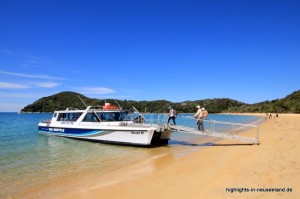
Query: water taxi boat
[(106, 123)]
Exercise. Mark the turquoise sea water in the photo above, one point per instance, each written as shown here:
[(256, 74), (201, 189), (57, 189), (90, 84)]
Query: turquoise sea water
[(31, 163)]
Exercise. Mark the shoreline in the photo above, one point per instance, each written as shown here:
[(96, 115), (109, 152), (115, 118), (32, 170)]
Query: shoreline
[(227, 169)]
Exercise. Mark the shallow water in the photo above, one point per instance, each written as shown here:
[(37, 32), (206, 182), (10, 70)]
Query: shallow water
[(32, 163)]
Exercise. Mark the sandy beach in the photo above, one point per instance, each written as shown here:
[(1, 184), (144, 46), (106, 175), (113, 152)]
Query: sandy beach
[(229, 169)]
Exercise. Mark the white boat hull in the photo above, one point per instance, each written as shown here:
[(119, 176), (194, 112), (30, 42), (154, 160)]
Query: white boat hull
[(129, 135)]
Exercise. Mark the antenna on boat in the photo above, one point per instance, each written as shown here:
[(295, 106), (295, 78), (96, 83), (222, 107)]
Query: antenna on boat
[(82, 101), (118, 104), (136, 110)]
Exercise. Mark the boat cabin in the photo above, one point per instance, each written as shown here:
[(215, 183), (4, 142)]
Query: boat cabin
[(107, 113)]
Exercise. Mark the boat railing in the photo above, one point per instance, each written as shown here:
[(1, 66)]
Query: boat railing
[(162, 119), (150, 118)]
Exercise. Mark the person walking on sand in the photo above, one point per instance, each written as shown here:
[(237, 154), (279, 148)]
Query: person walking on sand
[(198, 116), (172, 115)]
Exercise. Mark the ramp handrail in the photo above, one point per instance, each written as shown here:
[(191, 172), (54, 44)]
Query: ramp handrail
[(212, 131)]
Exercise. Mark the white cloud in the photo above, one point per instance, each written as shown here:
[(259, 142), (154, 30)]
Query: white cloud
[(47, 84), (7, 85), (95, 90), (38, 76)]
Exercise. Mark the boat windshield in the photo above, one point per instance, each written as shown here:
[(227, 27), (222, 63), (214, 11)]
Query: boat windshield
[(113, 116)]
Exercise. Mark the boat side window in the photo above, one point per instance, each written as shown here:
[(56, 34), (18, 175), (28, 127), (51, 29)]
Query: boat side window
[(124, 116), (61, 117), (68, 116), (113, 116), (102, 117), (75, 116), (55, 114), (107, 116), (90, 117), (116, 116)]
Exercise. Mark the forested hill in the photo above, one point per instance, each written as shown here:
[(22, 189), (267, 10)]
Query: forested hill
[(63, 100)]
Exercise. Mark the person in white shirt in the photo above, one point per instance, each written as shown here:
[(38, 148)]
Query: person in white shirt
[(172, 115), (199, 117)]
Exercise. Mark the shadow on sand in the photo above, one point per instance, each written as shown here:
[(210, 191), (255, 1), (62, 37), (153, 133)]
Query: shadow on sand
[(176, 142)]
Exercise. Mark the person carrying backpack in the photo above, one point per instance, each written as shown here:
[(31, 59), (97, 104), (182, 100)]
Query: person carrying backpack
[(200, 116)]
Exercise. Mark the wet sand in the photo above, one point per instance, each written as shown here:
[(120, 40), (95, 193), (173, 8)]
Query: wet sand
[(229, 169)]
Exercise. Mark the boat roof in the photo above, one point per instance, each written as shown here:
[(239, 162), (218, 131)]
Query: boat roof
[(103, 108), (93, 108)]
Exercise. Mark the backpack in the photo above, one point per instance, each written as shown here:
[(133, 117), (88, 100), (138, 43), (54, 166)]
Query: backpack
[(205, 113)]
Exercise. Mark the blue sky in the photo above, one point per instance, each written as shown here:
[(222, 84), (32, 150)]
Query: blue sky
[(149, 50)]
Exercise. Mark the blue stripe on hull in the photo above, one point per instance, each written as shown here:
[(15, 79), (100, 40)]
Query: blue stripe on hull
[(69, 131)]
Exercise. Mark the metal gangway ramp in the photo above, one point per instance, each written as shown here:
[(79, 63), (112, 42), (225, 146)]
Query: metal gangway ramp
[(230, 133)]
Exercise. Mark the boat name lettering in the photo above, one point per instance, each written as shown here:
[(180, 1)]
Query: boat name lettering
[(137, 132), (56, 130)]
